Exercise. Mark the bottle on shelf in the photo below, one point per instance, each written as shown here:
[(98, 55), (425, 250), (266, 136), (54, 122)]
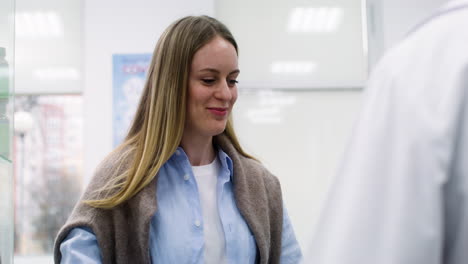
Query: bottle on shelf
[(4, 99)]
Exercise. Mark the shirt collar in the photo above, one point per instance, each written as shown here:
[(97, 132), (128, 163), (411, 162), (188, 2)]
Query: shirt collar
[(226, 161)]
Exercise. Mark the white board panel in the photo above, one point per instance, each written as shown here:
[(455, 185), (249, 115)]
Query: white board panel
[(298, 44)]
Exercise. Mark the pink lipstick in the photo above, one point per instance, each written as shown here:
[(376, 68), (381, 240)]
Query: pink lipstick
[(218, 111)]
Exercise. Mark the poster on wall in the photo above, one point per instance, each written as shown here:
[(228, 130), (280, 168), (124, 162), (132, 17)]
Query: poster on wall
[(128, 79)]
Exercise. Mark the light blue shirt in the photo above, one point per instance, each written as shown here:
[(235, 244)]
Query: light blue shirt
[(176, 231)]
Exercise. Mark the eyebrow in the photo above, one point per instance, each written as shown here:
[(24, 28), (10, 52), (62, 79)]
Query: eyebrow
[(216, 71)]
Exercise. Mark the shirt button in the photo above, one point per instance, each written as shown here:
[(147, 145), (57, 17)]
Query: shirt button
[(186, 177), (197, 223)]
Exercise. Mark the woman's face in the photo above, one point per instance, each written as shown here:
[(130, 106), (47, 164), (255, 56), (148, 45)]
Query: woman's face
[(212, 89)]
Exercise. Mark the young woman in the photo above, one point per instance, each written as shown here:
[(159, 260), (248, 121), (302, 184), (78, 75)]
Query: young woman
[(180, 189)]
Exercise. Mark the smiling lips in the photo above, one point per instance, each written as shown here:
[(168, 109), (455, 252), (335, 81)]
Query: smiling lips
[(219, 111)]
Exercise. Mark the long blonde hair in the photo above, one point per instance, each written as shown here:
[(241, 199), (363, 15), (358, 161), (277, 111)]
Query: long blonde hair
[(159, 121)]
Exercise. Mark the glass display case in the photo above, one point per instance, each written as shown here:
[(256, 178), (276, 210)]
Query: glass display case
[(6, 128)]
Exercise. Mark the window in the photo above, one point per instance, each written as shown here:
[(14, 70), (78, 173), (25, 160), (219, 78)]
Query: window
[(48, 149)]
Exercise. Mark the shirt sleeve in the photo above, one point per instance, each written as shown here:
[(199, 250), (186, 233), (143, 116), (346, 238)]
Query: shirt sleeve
[(80, 246), (290, 250)]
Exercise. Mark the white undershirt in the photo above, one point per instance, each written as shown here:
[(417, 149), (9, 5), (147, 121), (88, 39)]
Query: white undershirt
[(207, 178)]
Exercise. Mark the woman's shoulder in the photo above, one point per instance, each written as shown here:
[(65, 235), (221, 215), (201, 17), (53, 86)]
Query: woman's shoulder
[(121, 156), (255, 169), (255, 165)]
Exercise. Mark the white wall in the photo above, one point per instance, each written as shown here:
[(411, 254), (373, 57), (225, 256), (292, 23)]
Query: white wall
[(391, 20), (299, 136), (119, 26), (400, 16)]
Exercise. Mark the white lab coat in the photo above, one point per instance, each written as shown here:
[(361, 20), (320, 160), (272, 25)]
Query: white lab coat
[(401, 194)]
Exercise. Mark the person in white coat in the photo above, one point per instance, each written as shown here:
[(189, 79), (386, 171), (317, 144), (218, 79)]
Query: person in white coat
[(401, 193)]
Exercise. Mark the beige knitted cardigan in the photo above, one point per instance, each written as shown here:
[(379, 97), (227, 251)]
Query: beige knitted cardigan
[(123, 232)]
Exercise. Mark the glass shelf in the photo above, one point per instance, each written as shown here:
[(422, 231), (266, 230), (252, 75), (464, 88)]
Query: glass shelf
[(6, 131)]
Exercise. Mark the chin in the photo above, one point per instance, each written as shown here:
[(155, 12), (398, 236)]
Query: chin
[(217, 132), (214, 131)]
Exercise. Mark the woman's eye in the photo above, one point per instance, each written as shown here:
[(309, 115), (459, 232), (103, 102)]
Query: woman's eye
[(233, 82), (208, 81)]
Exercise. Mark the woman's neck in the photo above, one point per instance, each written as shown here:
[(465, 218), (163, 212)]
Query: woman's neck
[(200, 150)]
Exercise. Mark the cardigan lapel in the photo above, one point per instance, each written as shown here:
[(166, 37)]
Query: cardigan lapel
[(250, 196), (142, 208)]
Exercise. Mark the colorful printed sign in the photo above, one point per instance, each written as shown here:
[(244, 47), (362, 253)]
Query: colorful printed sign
[(129, 76)]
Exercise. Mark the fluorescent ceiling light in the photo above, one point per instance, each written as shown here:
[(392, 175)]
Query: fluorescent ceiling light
[(47, 74), (314, 19), (293, 67), (38, 24)]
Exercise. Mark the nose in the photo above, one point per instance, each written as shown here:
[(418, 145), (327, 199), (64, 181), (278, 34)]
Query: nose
[(224, 92)]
